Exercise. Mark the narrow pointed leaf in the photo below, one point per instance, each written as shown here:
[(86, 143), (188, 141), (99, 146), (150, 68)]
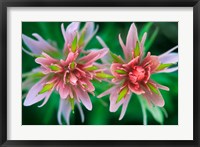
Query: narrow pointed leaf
[(33, 74), (137, 50), (46, 88), (146, 28), (116, 58), (55, 67), (81, 39), (104, 75), (71, 100), (72, 65), (163, 66), (153, 88), (74, 44), (38, 74), (152, 38), (91, 68), (120, 71), (122, 94)]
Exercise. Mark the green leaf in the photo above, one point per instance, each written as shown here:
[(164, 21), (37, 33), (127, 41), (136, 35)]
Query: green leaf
[(122, 94), (39, 74), (157, 114), (74, 44), (104, 75), (71, 100), (143, 107), (146, 28), (116, 58), (153, 88), (163, 66), (120, 71), (54, 67), (137, 50), (91, 68), (151, 40), (54, 54), (33, 74), (72, 65), (46, 88), (155, 111), (81, 39)]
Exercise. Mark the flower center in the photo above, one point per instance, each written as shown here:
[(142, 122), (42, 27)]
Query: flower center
[(137, 74)]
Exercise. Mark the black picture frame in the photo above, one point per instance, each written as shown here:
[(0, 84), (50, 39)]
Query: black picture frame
[(4, 4)]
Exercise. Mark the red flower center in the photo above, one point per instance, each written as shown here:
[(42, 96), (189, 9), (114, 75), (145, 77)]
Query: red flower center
[(137, 74)]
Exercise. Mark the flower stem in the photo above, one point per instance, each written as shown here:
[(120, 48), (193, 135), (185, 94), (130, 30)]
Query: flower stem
[(143, 111), (103, 103)]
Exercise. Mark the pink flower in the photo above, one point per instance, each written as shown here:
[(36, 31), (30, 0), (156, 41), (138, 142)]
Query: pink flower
[(70, 76), (133, 74)]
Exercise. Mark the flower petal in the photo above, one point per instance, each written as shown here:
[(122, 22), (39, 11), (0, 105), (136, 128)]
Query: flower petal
[(70, 57), (169, 58), (131, 40), (88, 85), (144, 38), (125, 104), (151, 61), (156, 99), (65, 110), (90, 31), (135, 88), (159, 85), (142, 43), (169, 51), (113, 98), (154, 63), (114, 68), (70, 32), (126, 53), (37, 46), (168, 70), (46, 98), (107, 58), (33, 96), (93, 56), (109, 91), (72, 78), (88, 28), (84, 97), (64, 91), (46, 60)]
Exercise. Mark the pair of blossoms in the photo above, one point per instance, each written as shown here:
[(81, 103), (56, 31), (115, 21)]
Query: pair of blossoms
[(71, 76)]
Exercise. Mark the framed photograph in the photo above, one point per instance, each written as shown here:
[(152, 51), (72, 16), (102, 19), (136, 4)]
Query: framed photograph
[(99, 73)]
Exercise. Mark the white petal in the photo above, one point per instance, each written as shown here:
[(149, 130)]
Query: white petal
[(169, 58), (168, 70), (169, 51), (125, 104)]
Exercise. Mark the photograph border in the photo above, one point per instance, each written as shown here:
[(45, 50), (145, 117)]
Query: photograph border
[(97, 3)]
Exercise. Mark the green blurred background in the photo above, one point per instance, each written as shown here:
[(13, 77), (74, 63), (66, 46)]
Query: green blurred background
[(161, 37)]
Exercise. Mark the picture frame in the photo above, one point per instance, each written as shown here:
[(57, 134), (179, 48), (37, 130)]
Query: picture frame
[(195, 4)]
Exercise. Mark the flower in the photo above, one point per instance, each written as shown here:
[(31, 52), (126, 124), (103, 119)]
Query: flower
[(133, 74), (70, 75)]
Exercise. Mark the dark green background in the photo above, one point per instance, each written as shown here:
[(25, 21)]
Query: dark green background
[(166, 38)]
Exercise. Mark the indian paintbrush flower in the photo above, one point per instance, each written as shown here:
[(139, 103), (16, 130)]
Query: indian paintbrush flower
[(132, 75), (70, 75)]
